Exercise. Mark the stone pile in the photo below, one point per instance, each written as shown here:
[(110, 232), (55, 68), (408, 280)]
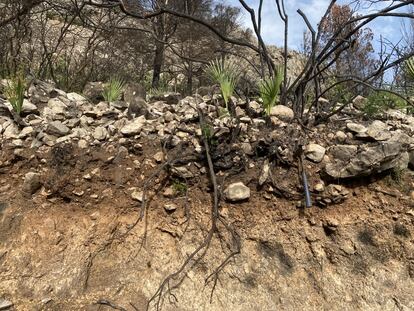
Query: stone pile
[(351, 149)]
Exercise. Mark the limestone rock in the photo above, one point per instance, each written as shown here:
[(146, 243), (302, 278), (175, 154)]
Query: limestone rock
[(255, 108), (282, 112), (134, 127), (341, 136), (100, 133), (29, 108), (265, 173), (31, 182), (75, 97), (378, 130), (237, 192), (356, 128), (5, 304), (353, 161), (137, 196), (359, 102), (25, 132), (170, 207), (57, 128), (315, 152), (11, 131)]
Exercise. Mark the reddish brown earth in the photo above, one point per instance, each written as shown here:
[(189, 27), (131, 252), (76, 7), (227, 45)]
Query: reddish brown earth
[(62, 251)]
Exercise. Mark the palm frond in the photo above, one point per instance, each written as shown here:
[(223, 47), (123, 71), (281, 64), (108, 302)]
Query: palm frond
[(113, 90), (15, 90), (410, 66), (269, 89), (226, 75)]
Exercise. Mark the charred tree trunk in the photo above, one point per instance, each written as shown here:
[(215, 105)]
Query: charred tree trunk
[(158, 63), (190, 79)]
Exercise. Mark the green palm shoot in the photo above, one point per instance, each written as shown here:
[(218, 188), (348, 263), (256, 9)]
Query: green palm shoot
[(269, 89), (113, 89), (410, 66), (15, 90), (226, 75)]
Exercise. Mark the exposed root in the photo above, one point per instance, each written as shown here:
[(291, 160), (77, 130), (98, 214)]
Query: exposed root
[(201, 250), (110, 304)]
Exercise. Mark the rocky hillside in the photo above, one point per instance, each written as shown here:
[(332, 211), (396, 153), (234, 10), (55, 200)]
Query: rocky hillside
[(101, 202)]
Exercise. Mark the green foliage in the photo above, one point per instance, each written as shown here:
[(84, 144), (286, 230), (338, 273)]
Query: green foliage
[(179, 187), (223, 112), (207, 132), (269, 89), (15, 91), (113, 89), (226, 75), (410, 67), (379, 102)]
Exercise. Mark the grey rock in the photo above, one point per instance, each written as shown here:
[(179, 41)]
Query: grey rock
[(319, 187), (366, 159), (282, 112), (356, 128), (5, 304), (57, 128), (121, 105), (134, 127), (315, 152), (11, 131), (25, 132), (265, 172), (170, 207), (378, 130), (182, 172), (247, 148), (75, 97), (237, 192), (255, 108), (137, 195), (31, 182), (359, 102), (341, 136), (343, 152), (29, 108), (138, 107), (93, 91), (170, 98), (100, 133)]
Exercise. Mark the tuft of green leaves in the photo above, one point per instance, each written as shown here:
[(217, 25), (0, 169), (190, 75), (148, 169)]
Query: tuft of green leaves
[(269, 89), (410, 67), (15, 90), (226, 75), (379, 102), (113, 89), (179, 187)]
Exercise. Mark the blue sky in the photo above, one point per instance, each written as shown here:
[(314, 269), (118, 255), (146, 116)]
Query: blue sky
[(272, 29)]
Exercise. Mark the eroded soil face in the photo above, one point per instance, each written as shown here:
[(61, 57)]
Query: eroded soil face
[(74, 244)]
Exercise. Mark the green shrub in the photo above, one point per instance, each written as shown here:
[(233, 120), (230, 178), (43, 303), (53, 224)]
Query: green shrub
[(15, 90), (113, 89), (179, 187), (269, 89), (226, 75), (379, 102)]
